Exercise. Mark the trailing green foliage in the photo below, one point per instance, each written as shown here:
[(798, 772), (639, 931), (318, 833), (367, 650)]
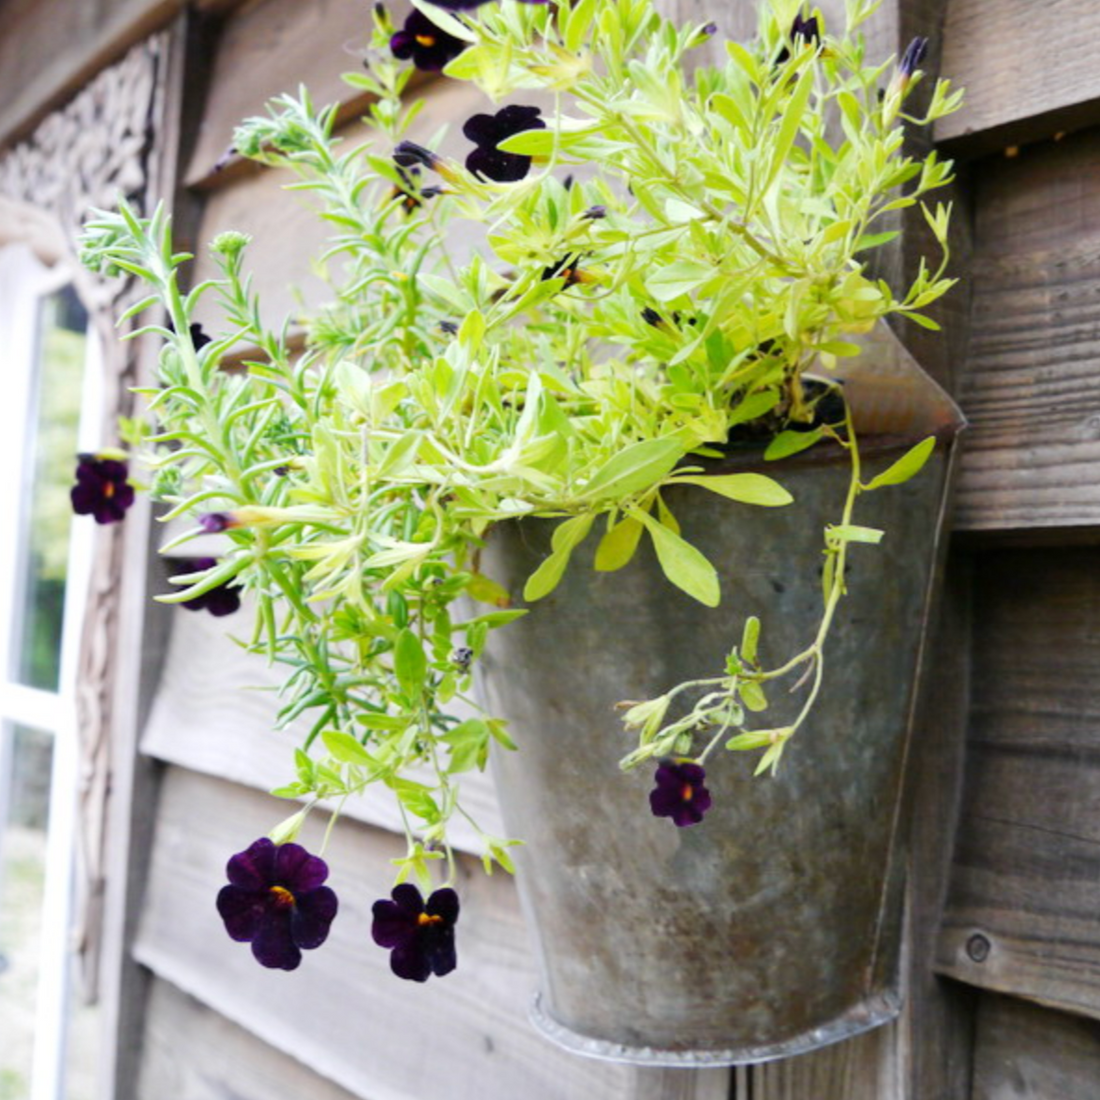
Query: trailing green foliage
[(600, 345)]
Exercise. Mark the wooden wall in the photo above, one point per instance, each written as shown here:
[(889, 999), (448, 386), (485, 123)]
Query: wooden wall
[(1004, 943)]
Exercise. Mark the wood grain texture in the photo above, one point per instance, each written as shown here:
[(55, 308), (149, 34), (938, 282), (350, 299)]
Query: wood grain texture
[(285, 226), (1022, 910), (1030, 392), (48, 51), (1028, 1053), (214, 712), (342, 1013), (1028, 69), (269, 48), (233, 1064)]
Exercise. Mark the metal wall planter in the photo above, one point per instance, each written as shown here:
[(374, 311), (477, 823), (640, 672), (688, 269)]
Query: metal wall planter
[(773, 927)]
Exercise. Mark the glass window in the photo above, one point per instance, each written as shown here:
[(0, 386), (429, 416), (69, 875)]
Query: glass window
[(47, 1048), (61, 343)]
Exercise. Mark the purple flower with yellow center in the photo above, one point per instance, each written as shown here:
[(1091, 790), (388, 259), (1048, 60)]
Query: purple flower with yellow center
[(430, 47), (222, 599), (488, 131), (680, 792), (275, 900), (805, 29), (420, 936), (102, 489)]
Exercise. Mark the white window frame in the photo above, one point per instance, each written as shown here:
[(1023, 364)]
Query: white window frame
[(24, 283)]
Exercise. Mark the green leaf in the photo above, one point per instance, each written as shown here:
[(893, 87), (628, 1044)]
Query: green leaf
[(409, 663), (790, 443), (634, 468), (909, 465), (793, 113), (345, 748), (678, 278), (417, 799), (747, 488), (752, 695), (567, 535), (749, 638), (545, 579), (618, 545), (851, 532), (683, 564), (751, 739)]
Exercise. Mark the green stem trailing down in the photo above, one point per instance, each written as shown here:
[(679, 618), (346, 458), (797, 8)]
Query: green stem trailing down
[(530, 347)]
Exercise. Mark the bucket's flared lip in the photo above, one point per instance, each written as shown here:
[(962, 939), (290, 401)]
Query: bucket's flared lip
[(865, 1016)]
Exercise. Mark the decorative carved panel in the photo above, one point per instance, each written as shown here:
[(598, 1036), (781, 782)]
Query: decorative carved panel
[(103, 144)]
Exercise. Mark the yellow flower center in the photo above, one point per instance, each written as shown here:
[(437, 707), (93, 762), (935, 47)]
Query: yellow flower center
[(109, 490), (687, 792), (283, 897), (426, 40), (428, 918)]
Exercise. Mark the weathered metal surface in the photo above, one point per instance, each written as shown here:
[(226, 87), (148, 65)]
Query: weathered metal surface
[(773, 926)]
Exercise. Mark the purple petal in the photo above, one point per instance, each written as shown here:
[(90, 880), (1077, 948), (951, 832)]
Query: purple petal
[(223, 600), (254, 868), (443, 903), (297, 870), (395, 921), (410, 961), (312, 914), (273, 944), (497, 166), (441, 956), (241, 910)]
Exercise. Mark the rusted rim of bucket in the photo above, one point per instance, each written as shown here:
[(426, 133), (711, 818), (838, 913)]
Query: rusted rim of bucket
[(863, 1017)]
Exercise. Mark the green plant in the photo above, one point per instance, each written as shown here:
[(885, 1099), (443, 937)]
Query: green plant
[(612, 332)]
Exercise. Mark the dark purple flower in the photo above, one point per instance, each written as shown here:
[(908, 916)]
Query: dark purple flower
[(215, 522), (276, 902), (488, 131), (199, 339), (223, 599), (807, 30), (914, 54), (411, 194), (101, 488), (429, 46), (680, 793), (566, 268), (421, 937)]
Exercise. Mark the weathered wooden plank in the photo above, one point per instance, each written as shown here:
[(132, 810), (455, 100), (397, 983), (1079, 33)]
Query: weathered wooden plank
[(190, 1051), (1028, 70), (270, 48), (48, 51), (286, 229), (1030, 392), (1025, 887), (465, 1036), (214, 712), (1029, 1053)]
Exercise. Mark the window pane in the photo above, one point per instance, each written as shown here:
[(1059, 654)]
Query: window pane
[(26, 757), (55, 414)]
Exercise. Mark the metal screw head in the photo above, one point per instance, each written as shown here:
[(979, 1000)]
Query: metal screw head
[(978, 947)]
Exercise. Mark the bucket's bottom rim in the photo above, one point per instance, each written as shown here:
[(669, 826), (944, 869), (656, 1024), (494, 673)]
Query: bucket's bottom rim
[(862, 1017)]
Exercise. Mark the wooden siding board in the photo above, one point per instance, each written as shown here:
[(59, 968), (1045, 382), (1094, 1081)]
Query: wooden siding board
[(286, 226), (193, 1053), (1028, 1053), (256, 50), (1033, 449), (1025, 888), (47, 51), (214, 712), (1028, 69), (342, 1013)]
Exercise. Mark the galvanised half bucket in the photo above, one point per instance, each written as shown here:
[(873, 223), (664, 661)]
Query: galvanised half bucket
[(773, 927)]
